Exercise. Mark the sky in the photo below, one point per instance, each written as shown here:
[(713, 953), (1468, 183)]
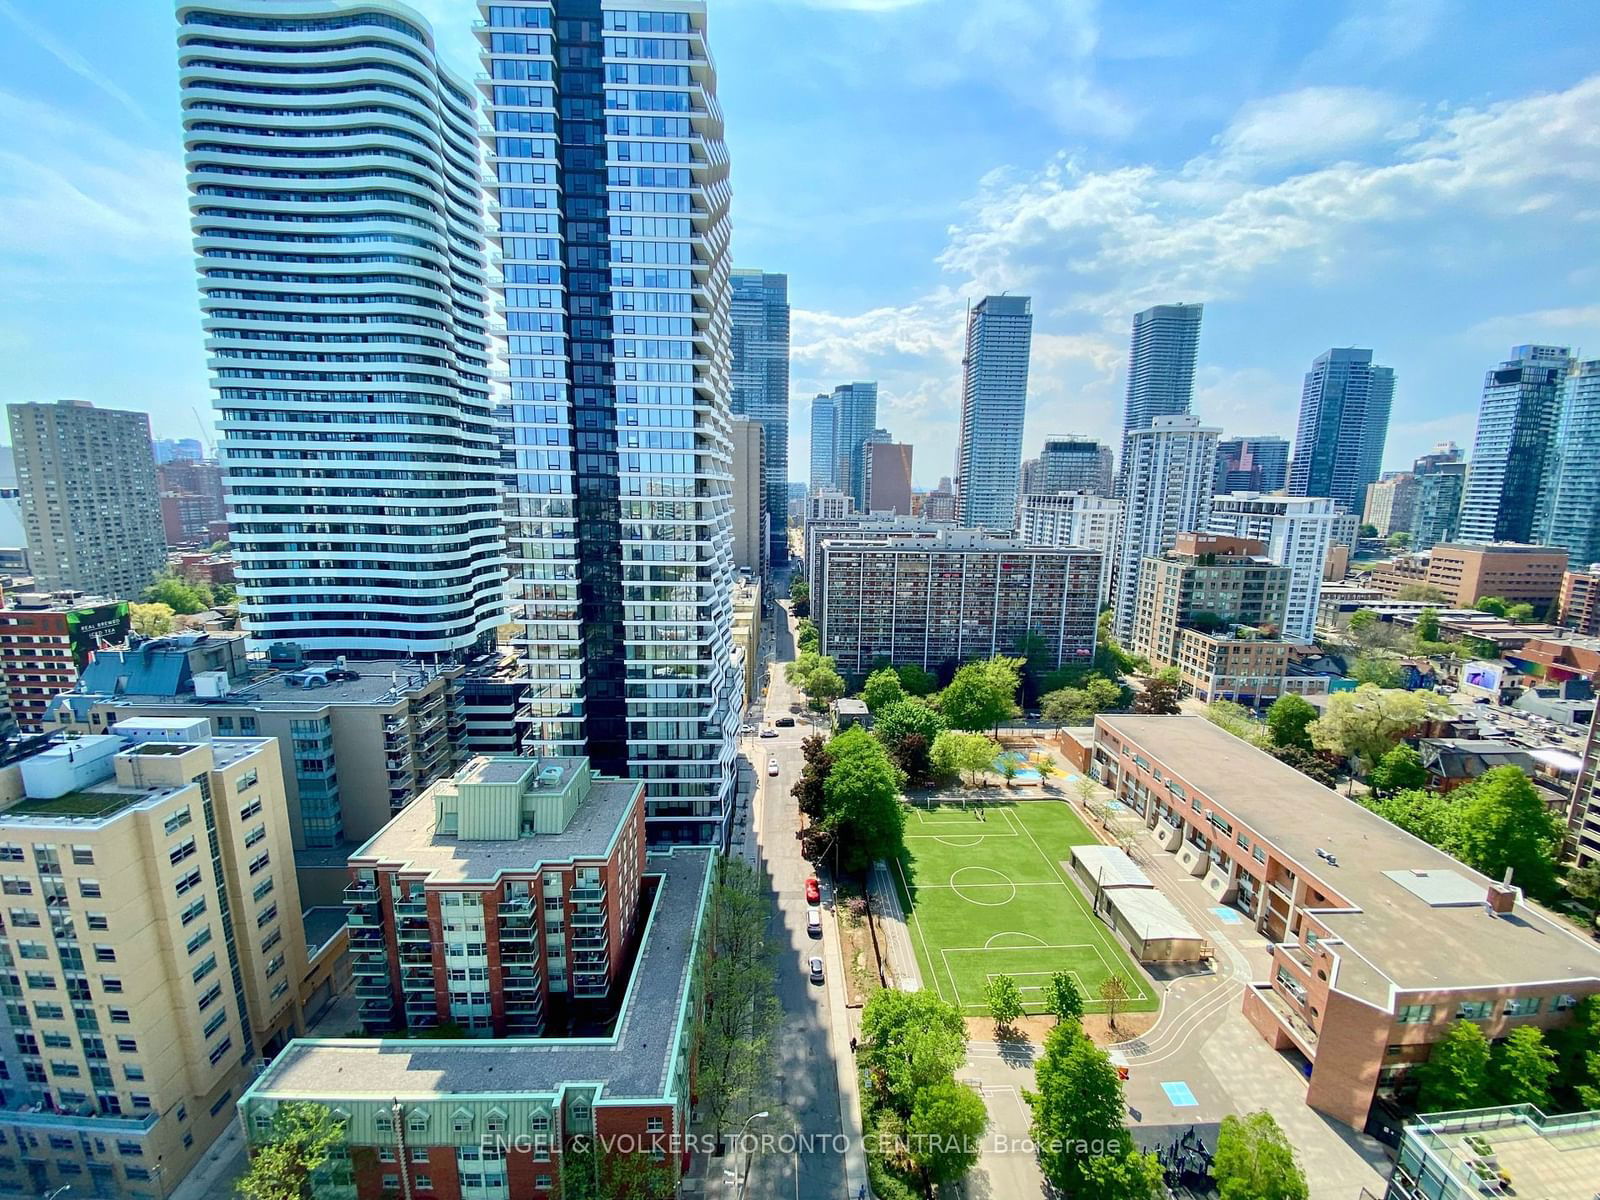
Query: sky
[(1421, 177)]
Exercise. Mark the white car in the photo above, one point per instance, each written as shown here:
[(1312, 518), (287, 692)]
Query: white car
[(769, 733), (772, 766), (814, 922), (815, 963)]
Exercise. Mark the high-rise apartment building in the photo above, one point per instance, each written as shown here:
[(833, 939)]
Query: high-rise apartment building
[(1344, 422), (1252, 464), (1161, 358), (994, 400), (940, 504), (856, 406), (338, 218), (1516, 428), (1068, 463), (87, 482), (1065, 519), (751, 517), (1297, 532), (155, 950), (759, 380), (192, 501), (1167, 472), (889, 478), (611, 210), (1440, 476), (825, 442), (1391, 504), (45, 641), (1569, 496)]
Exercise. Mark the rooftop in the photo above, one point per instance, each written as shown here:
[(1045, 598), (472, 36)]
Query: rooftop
[(1553, 1158), (1393, 938), (634, 1062), (157, 679)]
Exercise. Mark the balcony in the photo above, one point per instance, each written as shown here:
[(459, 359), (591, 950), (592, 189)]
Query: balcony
[(411, 908), (587, 920), (377, 1011), (361, 893), (375, 964), (588, 895), (414, 931), (372, 989), (359, 919)]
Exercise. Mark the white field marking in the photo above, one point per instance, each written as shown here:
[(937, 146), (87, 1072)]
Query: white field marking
[(928, 887), (1005, 882), (959, 845), (1035, 987), (989, 945), (1099, 953), (921, 936)]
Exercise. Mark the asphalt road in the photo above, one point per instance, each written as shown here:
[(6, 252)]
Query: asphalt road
[(804, 1097)]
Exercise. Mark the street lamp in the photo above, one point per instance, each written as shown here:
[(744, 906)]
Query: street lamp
[(744, 1177), (65, 1187)]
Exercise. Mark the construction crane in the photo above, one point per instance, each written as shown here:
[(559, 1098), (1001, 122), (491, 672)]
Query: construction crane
[(205, 434)]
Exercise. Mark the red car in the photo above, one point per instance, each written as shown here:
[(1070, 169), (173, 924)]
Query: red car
[(813, 891)]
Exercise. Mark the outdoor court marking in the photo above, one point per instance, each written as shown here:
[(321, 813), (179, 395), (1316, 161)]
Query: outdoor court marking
[(964, 823), (1226, 915), (1179, 1095), (1047, 976), (1005, 883), (945, 954), (989, 945)]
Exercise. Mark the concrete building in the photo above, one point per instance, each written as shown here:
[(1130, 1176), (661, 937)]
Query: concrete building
[(1069, 463), (889, 478), (994, 401), (1344, 423), (1579, 603), (825, 443), (621, 550), (1516, 427), (1251, 464), (747, 635), (828, 504), (1213, 607), (1167, 471), (759, 378), (1299, 532), (1440, 477), (1467, 573), (1376, 941), (1568, 512), (950, 598), (1083, 519), (87, 485), (1583, 823), (1553, 1157), (940, 504), (344, 291), (153, 928), (1161, 358), (45, 641), (879, 526), (751, 519), (1391, 505)]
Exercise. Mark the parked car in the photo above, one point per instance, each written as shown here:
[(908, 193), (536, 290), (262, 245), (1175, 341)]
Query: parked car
[(784, 722), (772, 766), (815, 962), (769, 733), (814, 922), (813, 891)]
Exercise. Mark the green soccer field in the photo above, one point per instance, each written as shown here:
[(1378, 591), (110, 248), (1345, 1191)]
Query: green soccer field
[(991, 897)]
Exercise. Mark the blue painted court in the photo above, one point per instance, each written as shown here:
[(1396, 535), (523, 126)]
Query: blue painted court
[(1228, 916), (1179, 1095)]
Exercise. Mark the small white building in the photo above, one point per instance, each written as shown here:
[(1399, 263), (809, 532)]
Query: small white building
[(1149, 924)]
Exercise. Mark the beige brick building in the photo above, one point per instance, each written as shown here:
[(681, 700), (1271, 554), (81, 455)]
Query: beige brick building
[(152, 948), (1466, 573)]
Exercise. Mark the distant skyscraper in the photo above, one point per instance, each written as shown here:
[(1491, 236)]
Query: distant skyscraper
[(750, 515), (1161, 358), (167, 450), (1516, 427), (1252, 464), (760, 378), (1167, 475), (617, 295), (994, 399), (1569, 499), (338, 222), (889, 478), (86, 480), (824, 442), (857, 406), (1391, 504), (1344, 421), (1068, 463)]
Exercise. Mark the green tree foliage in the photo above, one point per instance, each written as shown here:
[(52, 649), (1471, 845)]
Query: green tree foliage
[(1503, 823), (955, 752), (1288, 719), (1063, 998), (806, 636), (808, 790), (1078, 705), (1583, 885), (735, 1028), (588, 1173), (1578, 1056), (1369, 722), (180, 595), (1004, 999), (1362, 618), (1428, 815), (1422, 591), (909, 1041), (1492, 605), (945, 1132), (1456, 1074), (1309, 763), (1114, 996), (895, 721), (883, 688), (1520, 613), (1237, 720), (817, 676), (1399, 770), (1380, 670), (916, 681), (1159, 696), (1254, 1161), (151, 620), (301, 1141), (799, 597), (1427, 627), (982, 694), (1367, 530), (1399, 540), (862, 809), (1077, 1121), (1522, 1068)]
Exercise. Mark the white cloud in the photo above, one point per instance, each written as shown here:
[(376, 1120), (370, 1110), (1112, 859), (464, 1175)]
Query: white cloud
[(1379, 31), (1311, 123)]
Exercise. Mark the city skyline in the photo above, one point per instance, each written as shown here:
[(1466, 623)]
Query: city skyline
[(94, 163)]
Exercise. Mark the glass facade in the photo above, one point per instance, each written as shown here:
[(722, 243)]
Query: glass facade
[(994, 398), (1516, 424), (760, 386), (1344, 423), (1569, 499)]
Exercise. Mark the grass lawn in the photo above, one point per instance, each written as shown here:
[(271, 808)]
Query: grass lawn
[(990, 897)]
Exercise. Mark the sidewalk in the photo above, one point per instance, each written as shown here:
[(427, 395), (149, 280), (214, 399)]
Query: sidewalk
[(843, 1026), (892, 925)]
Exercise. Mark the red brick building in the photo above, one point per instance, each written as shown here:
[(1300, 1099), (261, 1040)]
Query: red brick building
[(44, 642)]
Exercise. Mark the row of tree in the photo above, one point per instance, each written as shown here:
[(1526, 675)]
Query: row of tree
[(849, 791), (1466, 1070)]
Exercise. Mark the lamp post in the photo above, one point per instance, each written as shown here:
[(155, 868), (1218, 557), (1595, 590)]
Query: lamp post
[(744, 1176), (65, 1187)]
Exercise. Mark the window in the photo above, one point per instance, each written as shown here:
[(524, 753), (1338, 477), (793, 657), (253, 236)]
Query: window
[(127, 1045), (177, 821), (247, 779), (134, 1072), (1524, 1006), (16, 885), (1564, 1003), (89, 889), (260, 863), (194, 910), (425, 1183), (104, 953), (200, 939), (184, 849), (210, 998), (189, 882), (655, 1124), (1415, 1014), (205, 968), (1474, 1010), (386, 1154), (222, 1048), (263, 889), (83, 856), (98, 923), (111, 984), (266, 914), (121, 1016)]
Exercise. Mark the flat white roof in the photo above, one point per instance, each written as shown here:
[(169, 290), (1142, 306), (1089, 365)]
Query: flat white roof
[(1110, 867), (1152, 915)]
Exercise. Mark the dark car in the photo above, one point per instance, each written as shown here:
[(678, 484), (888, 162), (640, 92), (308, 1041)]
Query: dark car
[(784, 722)]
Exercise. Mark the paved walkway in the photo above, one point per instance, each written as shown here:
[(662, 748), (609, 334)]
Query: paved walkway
[(891, 922)]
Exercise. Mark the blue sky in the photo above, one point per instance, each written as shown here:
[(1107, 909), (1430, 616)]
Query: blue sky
[(1418, 176)]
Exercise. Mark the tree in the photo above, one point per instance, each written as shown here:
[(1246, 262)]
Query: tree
[(301, 1141), (1367, 723), (1047, 767), (1504, 824), (1114, 997), (1237, 720), (1063, 998), (909, 1041), (1583, 885), (1310, 763), (1362, 618), (1367, 530), (1522, 1068), (1077, 1121), (896, 721), (1399, 540), (1578, 1056), (590, 1173), (1255, 1161), (862, 809), (982, 694), (1493, 605), (1159, 696), (916, 681), (823, 686), (799, 597), (1422, 591), (955, 751), (733, 1037), (1456, 1075), (806, 635), (882, 689), (178, 594), (1399, 770), (1520, 613), (151, 620), (1004, 999), (948, 1120), (1287, 720), (1380, 670), (1078, 705), (808, 791), (1427, 815), (1427, 627)]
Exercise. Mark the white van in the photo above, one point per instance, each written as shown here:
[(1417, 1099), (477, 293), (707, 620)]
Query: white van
[(814, 922)]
